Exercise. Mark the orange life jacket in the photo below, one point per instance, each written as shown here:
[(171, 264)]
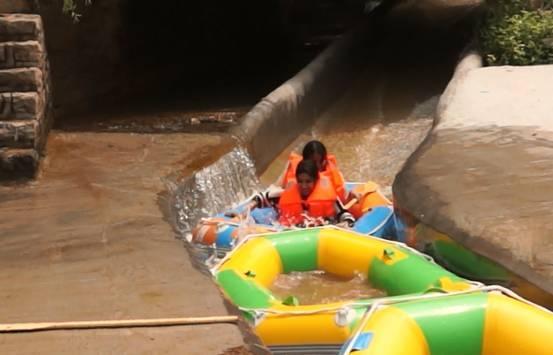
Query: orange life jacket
[(331, 172), (321, 203)]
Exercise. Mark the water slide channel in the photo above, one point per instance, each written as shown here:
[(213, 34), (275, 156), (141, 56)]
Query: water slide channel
[(372, 128)]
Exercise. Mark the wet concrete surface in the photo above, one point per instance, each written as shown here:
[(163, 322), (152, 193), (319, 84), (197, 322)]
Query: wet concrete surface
[(485, 175), (174, 340), (158, 118), (88, 241)]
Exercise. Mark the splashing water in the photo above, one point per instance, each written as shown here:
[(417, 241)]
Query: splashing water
[(214, 189)]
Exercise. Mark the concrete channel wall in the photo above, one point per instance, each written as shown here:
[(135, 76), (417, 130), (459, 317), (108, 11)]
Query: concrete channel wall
[(288, 110), (292, 107), (483, 175)]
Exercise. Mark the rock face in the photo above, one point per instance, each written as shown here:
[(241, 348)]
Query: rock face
[(25, 112), (484, 176)]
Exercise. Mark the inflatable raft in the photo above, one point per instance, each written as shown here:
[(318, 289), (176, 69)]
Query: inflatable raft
[(485, 322), (464, 262), (375, 216), (246, 274)]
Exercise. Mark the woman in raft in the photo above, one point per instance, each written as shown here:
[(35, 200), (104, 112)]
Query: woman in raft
[(355, 201), (310, 199), (326, 165)]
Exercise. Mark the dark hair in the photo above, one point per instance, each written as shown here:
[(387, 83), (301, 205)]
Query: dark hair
[(312, 148), (308, 167)]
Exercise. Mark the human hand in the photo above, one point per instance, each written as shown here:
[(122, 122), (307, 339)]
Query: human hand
[(346, 219), (344, 225), (274, 191)]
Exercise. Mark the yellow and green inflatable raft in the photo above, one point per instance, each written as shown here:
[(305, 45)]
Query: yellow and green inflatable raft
[(428, 311), (485, 322), (247, 272)]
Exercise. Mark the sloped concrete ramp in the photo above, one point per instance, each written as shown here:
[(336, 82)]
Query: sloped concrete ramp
[(484, 175), (88, 242)]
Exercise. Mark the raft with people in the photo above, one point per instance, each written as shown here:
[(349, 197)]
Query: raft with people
[(311, 192), (311, 219), (224, 230), (431, 307)]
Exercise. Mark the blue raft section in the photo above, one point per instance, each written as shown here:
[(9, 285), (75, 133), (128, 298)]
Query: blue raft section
[(379, 221)]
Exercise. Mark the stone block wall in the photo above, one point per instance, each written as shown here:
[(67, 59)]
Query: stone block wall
[(25, 108), (20, 6)]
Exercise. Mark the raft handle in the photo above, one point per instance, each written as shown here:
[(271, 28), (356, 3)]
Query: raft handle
[(388, 253)]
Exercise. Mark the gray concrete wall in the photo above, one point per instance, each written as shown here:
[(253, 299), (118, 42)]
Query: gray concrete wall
[(288, 110), (292, 107), (484, 174)]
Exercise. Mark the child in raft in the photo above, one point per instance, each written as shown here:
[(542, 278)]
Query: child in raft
[(309, 199), (326, 165)]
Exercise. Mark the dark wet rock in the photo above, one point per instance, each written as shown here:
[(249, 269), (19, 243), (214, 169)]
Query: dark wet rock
[(18, 163), (484, 175)]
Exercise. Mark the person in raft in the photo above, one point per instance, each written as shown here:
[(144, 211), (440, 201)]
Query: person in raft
[(326, 165), (310, 199)]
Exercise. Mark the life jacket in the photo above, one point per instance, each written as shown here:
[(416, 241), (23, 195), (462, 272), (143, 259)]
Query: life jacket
[(289, 177), (331, 172), (370, 197), (321, 203)]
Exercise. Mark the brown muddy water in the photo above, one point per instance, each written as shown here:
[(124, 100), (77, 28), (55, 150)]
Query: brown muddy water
[(88, 240), (159, 119), (319, 287)]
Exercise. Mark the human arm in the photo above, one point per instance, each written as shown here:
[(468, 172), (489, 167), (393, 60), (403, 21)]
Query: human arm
[(343, 217), (267, 198)]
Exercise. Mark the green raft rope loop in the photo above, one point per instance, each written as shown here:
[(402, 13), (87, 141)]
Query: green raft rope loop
[(381, 303)]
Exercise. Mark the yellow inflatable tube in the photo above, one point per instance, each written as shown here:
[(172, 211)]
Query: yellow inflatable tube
[(246, 274), (475, 323)]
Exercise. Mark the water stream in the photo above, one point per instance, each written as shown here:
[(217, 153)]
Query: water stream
[(371, 129), (213, 189)]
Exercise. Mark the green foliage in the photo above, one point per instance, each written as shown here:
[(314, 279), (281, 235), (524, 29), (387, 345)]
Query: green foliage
[(70, 7), (518, 32)]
